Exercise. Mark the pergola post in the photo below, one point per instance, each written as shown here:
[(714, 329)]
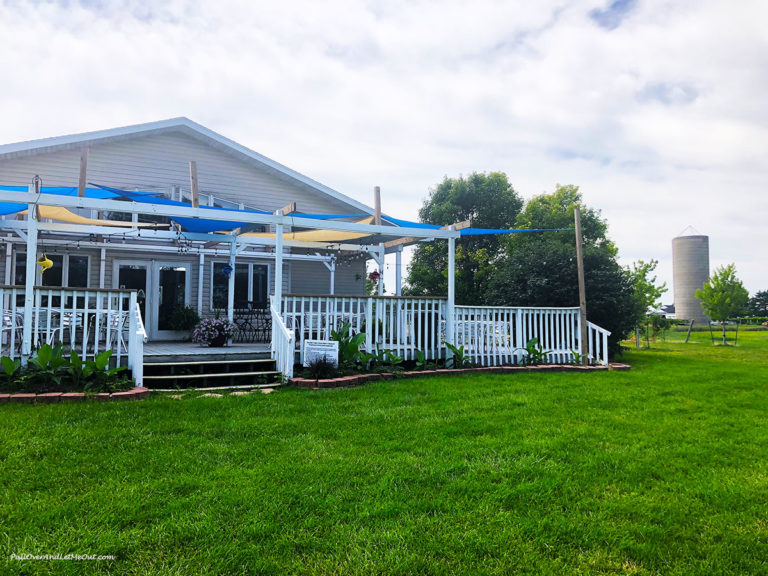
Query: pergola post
[(200, 283), (29, 288), (231, 279), (279, 264), (382, 248), (380, 262), (399, 271), (450, 307), (332, 268)]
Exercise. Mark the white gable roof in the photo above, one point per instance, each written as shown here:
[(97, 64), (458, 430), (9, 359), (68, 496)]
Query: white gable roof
[(186, 126)]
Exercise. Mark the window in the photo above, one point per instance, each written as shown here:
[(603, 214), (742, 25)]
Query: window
[(68, 270), (251, 285), (54, 276), (78, 272), (20, 270)]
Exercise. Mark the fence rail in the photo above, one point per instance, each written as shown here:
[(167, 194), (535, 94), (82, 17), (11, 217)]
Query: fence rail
[(86, 321), (491, 335)]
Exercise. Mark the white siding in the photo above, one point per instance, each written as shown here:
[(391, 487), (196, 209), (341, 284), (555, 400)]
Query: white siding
[(314, 278), (160, 161)]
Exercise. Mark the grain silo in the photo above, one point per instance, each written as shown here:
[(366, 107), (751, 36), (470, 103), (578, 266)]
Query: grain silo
[(690, 265)]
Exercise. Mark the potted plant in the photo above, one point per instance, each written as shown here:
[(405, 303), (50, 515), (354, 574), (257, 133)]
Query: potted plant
[(184, 319), (213, 331)]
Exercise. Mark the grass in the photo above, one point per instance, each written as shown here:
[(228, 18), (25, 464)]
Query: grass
[(661, 470)]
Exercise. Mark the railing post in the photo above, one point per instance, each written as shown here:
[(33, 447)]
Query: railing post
[(518, 354), (29, 291), (369, 329), (135, 361)]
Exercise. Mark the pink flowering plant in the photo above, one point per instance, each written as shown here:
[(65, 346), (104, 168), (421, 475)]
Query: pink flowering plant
[(213, 329)]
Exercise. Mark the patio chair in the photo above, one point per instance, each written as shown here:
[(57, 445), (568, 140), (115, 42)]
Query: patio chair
[(12, 329), (116, 321)]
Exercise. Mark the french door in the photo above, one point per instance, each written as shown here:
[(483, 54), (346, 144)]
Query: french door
[(162, 288)]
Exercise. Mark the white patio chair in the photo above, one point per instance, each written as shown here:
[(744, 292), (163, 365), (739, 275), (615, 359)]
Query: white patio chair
[(12, 328)]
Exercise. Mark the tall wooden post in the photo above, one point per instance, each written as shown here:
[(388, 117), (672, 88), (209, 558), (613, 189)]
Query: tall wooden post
[(584, 344), (451, 304), (83, 172), (193, 184)]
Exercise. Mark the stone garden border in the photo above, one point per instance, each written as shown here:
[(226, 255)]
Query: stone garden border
[(57, 397), (358, 379)]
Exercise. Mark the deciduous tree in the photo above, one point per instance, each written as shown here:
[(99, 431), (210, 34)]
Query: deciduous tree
[(723, 296), (539, 269), (489, 201)]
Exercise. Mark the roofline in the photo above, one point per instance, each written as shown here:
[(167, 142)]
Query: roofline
[(56, 142)]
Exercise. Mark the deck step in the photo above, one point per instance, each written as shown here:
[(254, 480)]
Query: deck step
[(209, 375), (210, 362)]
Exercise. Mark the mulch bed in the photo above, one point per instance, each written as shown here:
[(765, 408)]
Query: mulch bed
[(359, 379)]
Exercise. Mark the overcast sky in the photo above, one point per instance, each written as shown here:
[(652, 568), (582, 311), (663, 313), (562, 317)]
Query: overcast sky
[(657, 110)]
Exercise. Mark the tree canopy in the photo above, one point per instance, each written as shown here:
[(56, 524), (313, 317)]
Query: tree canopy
[(723, 296), (758, 304), (489, 201), (647, 294), (541, 270)]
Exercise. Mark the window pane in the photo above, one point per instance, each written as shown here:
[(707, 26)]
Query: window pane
[(54, 275), (219, 288), (20, 276), (260, 286), (78, 272), (241, 286), (220, 285), (173, 285)]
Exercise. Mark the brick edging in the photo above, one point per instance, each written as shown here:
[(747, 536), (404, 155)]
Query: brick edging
[(56, 397), (357, 379)]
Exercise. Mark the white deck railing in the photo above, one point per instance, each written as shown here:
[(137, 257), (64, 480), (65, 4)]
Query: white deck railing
[(491, 335), (495, 335), (86, 321), (402, 325), (283, 352), (598, 343)]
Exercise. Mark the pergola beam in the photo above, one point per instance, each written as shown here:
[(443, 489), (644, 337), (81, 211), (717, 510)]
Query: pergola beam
[(19, 226), (410, 240), (224, 215)]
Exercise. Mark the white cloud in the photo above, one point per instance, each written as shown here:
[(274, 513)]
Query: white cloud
[(661, 120)]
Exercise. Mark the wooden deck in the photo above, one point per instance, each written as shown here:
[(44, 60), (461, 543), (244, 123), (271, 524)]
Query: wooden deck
[(188, 349)]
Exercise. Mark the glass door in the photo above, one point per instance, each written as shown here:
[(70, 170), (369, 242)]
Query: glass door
[(132, 275), (171, 289)]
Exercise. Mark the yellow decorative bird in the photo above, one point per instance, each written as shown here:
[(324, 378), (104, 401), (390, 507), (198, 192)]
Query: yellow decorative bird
[(44, 262)]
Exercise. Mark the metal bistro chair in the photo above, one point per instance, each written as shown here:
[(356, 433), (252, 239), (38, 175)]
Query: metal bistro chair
[(116, 321), (12, 329)]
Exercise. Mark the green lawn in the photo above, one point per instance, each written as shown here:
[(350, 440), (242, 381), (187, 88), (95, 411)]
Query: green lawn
[(661, 470)]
